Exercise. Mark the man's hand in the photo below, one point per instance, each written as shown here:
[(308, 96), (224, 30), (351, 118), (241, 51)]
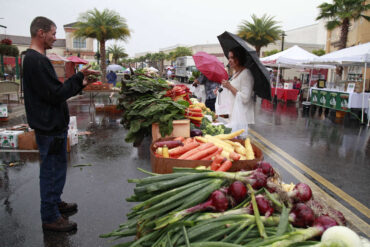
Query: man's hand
[(89, 75), (86, 71)]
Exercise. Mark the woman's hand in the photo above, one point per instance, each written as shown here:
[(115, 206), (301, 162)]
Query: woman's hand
[(226, 84)]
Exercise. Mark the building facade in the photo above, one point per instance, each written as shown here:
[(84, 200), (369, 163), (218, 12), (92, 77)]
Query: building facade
[(75, 46)]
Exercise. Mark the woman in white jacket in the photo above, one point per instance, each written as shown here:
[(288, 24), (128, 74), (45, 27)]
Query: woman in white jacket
[(241, 87)]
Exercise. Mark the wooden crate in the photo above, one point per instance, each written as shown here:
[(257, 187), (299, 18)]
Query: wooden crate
[(165, 165), (180, 128)]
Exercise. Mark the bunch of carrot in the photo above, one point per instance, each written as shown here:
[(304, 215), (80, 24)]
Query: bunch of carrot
[(190, 150)]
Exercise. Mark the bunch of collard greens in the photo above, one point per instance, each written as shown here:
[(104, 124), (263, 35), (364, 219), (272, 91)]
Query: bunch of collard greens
[(143, 102)]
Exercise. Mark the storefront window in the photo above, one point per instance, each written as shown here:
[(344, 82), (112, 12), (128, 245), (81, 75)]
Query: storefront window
[(79, 43)]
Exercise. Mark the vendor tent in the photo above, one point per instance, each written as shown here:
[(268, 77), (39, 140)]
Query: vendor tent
[(359, 54), (292, 56), (355, 55)]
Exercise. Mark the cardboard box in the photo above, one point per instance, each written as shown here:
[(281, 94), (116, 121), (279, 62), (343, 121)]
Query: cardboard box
[(180, 128), (9, 138), (288, 85), (3, 110), (165, 165), (27, 141), (359, 85)]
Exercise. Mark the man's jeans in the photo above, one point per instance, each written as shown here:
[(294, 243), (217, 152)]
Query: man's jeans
[(53, 169)]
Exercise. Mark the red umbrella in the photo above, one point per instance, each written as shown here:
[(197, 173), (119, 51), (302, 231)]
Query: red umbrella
[(210, 66), (77, 60)]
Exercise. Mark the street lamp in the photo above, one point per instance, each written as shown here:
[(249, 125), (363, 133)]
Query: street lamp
[(282, 40)]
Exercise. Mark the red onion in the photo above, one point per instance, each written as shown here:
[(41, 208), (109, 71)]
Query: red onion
[(238, 191), (301, 193), (324, 222), (264, 206), (216, 202), (257, 180), (302, 215), (266, 169), (219, 201)]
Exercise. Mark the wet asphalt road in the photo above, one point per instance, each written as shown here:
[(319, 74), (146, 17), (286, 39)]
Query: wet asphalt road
[(337, 151)]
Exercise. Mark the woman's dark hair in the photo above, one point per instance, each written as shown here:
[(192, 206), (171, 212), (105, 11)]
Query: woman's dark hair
[(42, 23), (240, 55)]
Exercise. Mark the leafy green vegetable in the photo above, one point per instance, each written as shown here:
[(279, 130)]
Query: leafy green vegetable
[(143, 102)]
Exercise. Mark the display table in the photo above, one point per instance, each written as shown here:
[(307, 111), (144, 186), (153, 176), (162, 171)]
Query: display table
[(338, 100), (285, 94)]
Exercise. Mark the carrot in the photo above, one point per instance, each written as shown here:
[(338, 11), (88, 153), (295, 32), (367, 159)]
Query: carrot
[(203, 153), (234, 156), (225, 166), (201, 147), (216, 162), (209, 157), (183, 149), (180, 138)]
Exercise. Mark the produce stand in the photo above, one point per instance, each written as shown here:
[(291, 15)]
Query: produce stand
[(165, 165)]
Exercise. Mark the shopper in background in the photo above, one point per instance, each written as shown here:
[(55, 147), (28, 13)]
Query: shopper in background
[(210, 87), (47, 113), (112, 78)]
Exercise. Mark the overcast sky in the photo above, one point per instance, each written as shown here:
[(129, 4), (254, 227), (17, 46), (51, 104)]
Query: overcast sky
[(157, 24)]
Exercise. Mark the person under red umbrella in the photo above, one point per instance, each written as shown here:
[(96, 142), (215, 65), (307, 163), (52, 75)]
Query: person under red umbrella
[(210, 87)]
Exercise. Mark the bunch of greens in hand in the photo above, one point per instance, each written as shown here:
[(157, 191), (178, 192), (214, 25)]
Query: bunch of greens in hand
[(143, 102)]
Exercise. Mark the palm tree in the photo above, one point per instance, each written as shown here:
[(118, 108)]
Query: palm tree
[(182, 51), (340, 14), (161, 57), (103, 26), (260, 32), (117, 52)]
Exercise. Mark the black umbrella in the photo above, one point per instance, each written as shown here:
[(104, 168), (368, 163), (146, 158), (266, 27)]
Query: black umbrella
[(260, 74)]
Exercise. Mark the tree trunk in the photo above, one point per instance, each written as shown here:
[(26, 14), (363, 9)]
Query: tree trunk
[(344, 34), (258, 50), (162, 67), (103, 64)]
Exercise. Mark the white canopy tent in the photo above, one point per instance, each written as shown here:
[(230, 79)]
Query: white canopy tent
[(355, 55), (294, 57)]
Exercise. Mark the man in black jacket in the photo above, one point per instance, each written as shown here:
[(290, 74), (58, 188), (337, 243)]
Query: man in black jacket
[(47, 113)]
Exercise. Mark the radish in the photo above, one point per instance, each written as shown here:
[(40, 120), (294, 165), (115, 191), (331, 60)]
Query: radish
[(342, 233), (238, 191), (302, 215), (301, 193)]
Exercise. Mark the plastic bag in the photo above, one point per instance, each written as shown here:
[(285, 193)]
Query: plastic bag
[(223, 105), (238, 117), (199, 92)]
